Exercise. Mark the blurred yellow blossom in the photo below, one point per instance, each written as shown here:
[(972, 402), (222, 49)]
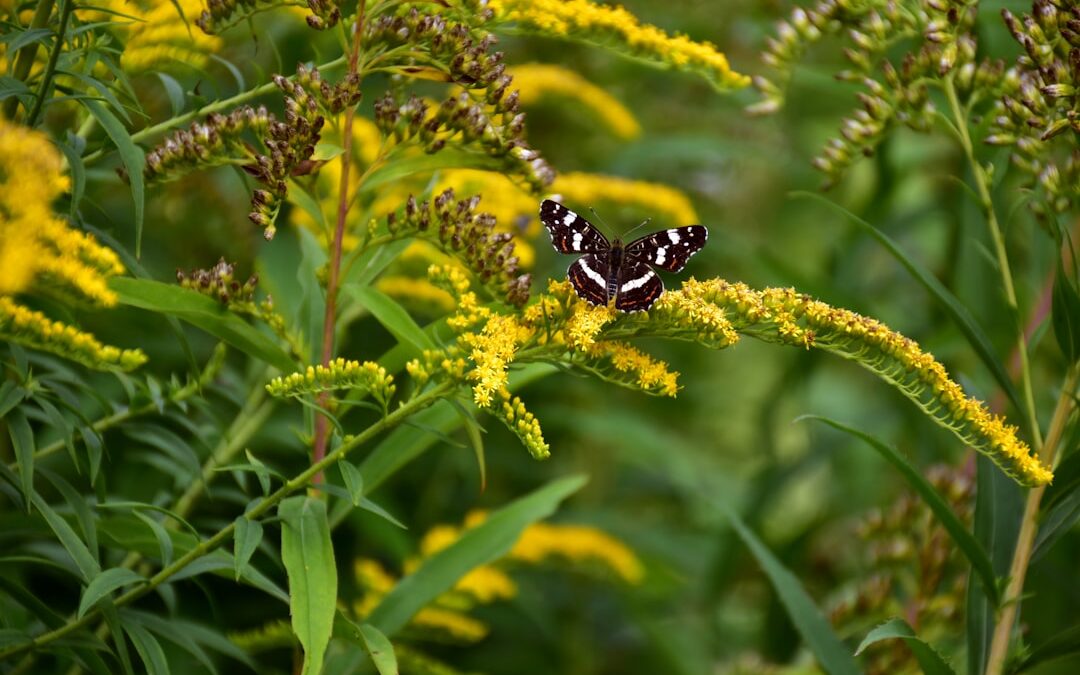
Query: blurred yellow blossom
[(653, 198), (159, 38), (616, 28), (537, 81)]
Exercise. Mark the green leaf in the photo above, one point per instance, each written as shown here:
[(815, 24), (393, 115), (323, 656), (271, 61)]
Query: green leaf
[(1065, 315), (246, 539), (308, 556), (78, 174), (476, 438), (18, 40), (377, 646), (203, 312), (831, 653), (131, 155), (450, 158), (354, 481), (972, 550), (261, 472), (150, 651), (392, 316), (478, 546), (22, 440), (75, 547), (952, 306), (174, 91), (9, 86), (165, 545), (79, 507), (897, 629), (1061, 506), (326, 151), (104, 583)]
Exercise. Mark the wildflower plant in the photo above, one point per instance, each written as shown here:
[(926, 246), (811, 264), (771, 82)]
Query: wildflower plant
[(381, 195)]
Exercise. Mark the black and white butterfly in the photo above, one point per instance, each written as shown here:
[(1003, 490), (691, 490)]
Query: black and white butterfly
[(610, 271)]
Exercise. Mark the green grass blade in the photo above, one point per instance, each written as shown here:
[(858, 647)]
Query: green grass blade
[(965, 540), (831, 653), (308, 556), (132, 157), (929, 660)]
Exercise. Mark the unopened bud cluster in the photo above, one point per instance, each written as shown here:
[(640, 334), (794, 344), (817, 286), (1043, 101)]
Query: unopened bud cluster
[(338, 374), (213, 141), (221, 15), (456, 228), (941, 46), (911, 568), (1041, 100), (219, 283)]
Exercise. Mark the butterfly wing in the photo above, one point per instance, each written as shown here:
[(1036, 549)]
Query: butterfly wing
[(639, 287), (588, 274), (570, 233), (669, 249)]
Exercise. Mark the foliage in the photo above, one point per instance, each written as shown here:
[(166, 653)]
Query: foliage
[(243, 482)]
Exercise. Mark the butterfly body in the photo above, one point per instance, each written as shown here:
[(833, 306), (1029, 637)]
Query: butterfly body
[(611, 271)]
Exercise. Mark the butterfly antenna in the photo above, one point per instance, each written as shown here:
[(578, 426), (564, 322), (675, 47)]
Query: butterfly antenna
[(643, 224), (607, 227)]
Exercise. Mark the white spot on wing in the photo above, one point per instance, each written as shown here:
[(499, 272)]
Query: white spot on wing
[(673, 236), (577, 241), (637, 283), (593, 275), (661, 255), (569, 218)]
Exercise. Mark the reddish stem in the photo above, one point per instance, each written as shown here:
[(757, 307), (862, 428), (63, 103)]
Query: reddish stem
[(322, 423)]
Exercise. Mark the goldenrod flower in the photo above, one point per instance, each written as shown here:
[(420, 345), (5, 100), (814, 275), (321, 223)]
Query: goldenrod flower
[(655, 199), (492, 350), (538, 81), (162, 39), (524, 425), (34, 329), (617, 29), (577, 544), (419, 291), (646, 373)]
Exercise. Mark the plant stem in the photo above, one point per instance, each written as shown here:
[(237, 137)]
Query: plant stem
[(223, 104), (987, 203), (299, 481), (50, 69), (322, 423), (25, 60), (999, 644)]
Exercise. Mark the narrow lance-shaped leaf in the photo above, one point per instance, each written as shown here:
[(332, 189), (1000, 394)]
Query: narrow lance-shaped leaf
[(246, 538), (929, 660), (105, 583), (965, 540), (130, 154), (308, 556), (831, 653)]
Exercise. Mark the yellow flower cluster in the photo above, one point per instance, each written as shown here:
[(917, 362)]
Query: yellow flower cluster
[(577, 544), (537, 81), (416, 291), (161, 39), (654, 198), (647, 374), (39, 252), (615, 28), (585, 324), (783, 315), (34, 329), (492, 350), (339, 374)]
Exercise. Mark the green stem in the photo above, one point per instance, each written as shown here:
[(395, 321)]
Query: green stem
[(25, 59), (982, 185), (301, 480), (223, 104), (50, 69), (1029, 526)]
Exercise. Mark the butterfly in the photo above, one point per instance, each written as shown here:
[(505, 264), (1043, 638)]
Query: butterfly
[(610, 271)]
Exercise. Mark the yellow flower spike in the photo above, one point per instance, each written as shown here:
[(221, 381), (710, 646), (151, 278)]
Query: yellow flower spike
[(454, 624), (162, 39), (33, 329), (645, 373), (659, 200), (339, 374), (615, 28), (419, 291), (492, 350), (577, 544), (586, 323), (537, 81)]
